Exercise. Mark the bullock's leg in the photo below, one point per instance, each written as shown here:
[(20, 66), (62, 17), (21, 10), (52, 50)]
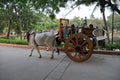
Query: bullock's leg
[(58, 51), (48, 49), (38, 52), (53, 49), (31, 51)]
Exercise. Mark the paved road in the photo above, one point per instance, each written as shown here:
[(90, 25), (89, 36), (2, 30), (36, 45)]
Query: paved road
[(16, 65)]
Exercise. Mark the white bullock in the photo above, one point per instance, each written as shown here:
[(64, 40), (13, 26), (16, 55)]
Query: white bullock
[(42, 39)]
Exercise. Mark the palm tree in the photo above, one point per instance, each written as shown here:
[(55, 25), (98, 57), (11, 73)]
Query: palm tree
[(112, 25), (113, 20), (102, 8)]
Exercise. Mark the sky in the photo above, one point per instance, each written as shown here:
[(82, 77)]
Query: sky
[(81, 12)]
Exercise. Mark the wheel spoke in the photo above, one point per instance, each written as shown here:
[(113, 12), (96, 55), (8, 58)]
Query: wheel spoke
[(73, 42), (76, 40), (83, 43)]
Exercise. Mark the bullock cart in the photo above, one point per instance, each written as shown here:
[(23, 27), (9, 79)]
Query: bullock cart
[(78, 46)]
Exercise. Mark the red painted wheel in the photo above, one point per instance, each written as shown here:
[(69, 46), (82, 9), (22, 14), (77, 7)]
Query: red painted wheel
[(78, 47)]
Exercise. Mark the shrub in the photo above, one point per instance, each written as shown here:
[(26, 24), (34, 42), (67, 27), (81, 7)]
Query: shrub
[(113, 46), (15, 41)]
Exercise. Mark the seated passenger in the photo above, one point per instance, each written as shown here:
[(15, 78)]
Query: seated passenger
[(72, 30), (64, 32), (91, 26)]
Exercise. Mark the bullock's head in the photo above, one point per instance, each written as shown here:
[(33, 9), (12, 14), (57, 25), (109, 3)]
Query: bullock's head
[(27, 36)]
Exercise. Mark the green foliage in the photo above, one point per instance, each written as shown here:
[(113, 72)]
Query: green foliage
[(116, 21), (76, 21), (113, 46), (109, 46), (97, 22), (16, 41), (27, 15), (23, 14), (86, 2), (1, 29)]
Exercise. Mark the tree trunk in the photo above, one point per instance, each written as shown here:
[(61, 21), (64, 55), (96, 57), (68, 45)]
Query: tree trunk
[(112, 25), (105, 23), (20, 27), (9, 28)]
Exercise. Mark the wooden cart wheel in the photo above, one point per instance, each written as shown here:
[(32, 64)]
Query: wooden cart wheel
[(78, 47)]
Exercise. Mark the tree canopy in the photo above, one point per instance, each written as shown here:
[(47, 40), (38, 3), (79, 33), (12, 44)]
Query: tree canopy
[(21, 14), (50, 7)]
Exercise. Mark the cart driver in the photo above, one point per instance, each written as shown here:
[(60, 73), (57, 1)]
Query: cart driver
[(72, 30), (64, 32)]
